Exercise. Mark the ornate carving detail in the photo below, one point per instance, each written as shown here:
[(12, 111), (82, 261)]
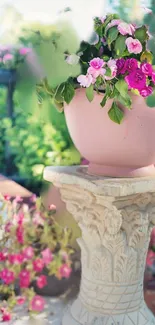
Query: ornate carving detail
[(115, 238)]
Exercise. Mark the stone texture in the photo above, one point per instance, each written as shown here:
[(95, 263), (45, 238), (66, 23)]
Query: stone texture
[(116, 217)]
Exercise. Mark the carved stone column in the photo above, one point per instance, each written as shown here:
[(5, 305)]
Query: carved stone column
[(116, 217)]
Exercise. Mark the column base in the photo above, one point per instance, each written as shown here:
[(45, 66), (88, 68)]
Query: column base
[(78, 314)]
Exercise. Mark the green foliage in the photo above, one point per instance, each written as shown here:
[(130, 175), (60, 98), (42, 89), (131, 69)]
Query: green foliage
[(90, 93), (120, 45), (116, 114)]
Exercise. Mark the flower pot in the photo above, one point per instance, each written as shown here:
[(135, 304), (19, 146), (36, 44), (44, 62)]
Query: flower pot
[(126, 150), (8, 76)]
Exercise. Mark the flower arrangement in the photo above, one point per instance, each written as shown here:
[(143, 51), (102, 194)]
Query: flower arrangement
[(116, 64), (30, 242), (11, 57)]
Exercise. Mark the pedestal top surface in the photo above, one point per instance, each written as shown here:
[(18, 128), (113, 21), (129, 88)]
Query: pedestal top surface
[(78, 176)]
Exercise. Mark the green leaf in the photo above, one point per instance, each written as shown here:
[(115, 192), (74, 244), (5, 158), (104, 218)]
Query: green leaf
[(151, 100), (59, 93), (69, 92), (112, 34), (108, 72), (122, 87), (120, 45), (125, 101), (116, 114), (147, 55), (104, 100), (141, 34), (90, 93)]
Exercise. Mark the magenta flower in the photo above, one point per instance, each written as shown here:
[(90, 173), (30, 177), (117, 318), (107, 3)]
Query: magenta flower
[(131, 64), (126, 29), (85, 81), (153, 77), (147, 68), (3, 256), (38, 265), (7, 276), (113, 67), (41, 281), (47, 256), (28, 253), (65, 271), (18, 199), (150, 258), (21, 300), (24, 51), (147, 91), (24, 278), (37, 303), (136, 79), (6, 317), (20, 234), (133, 45), (15, 259), (121, 66)]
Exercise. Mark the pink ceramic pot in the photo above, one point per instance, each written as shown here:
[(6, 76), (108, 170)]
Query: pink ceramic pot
[(126, 150)]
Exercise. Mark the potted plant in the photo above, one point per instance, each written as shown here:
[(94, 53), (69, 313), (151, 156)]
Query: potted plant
[(106, 105), (32, 247)]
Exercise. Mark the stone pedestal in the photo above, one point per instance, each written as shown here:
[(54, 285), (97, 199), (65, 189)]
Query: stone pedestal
[(116, 217)]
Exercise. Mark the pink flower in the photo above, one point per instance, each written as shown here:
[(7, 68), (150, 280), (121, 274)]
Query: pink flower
[(15, 259), (136, 79), (147, 91), (121, 66), (18, 199), (147, 68), (6, 316), (41, 281), (28, 253), (7, 276), (113, 67), (38, 265), (97, 63), (133, 45), (8, 226), (153, 77), (114, 22), (21, 300), (131, 64), (24, 50), (96, 67), (8, 57), (3, 256), (37, 303), (64, 256), (47, 256), (102, 19), (24, 278), (7, 197), (37, 220), (20, 234), (33, 198), (85, 81), (125, 28), (52, 207), (65, 271)]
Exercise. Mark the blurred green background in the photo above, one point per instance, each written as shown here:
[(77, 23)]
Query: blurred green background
[(35, 141)]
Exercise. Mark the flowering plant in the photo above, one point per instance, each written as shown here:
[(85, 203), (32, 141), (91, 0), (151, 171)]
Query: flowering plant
[(115, 64), (30, 242), (11, 58)]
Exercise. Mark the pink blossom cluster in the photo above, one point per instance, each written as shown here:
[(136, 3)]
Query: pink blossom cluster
[(10, 56), (23, 261), (138, 76), (97, 68)]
